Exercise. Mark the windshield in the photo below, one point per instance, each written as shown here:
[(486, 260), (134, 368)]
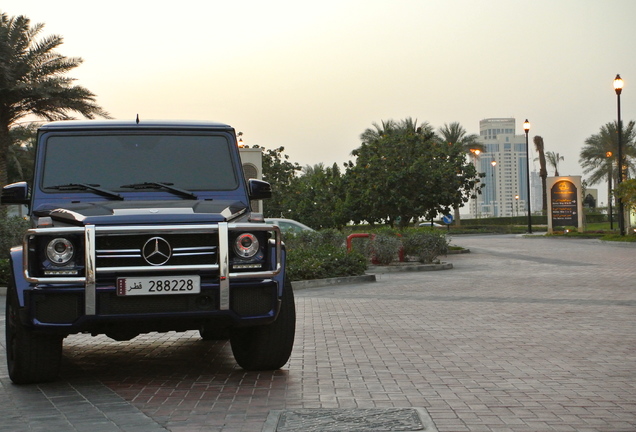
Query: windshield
[(188, 162)]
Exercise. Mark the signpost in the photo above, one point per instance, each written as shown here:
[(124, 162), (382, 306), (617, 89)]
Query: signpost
[(565, 207)]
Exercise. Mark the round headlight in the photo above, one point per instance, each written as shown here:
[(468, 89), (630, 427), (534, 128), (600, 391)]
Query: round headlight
[(59, 251), (246, 245)]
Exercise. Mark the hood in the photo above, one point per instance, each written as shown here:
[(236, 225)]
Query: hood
[(145, 212)]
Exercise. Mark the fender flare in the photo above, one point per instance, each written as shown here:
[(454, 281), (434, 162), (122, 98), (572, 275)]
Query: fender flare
[(17, 274)]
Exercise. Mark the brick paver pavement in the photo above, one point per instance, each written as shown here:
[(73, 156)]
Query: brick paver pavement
[(524, 334)]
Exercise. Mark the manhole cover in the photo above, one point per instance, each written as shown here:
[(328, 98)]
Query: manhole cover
[(350, 420)]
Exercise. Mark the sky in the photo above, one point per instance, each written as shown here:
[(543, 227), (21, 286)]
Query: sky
[(312, 76)]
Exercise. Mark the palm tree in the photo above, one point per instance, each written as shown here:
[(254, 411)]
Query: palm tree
[(598, 147), (543, 172), (455, 134), (21, 152), (372, 135), (553, 159), (33, 81)]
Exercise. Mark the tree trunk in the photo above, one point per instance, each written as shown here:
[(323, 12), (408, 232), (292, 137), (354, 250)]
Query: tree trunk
[(5, 143), (458, 221), (544, 186), (543, 172)]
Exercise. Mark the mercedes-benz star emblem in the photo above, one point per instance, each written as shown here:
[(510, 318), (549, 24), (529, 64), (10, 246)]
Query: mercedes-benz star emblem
[(156, 251)]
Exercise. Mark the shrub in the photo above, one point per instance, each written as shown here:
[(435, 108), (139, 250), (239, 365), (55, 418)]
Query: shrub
[(384, 248), (12, 230), (310, 239), (4, 272), (426, 246), (321, 254)]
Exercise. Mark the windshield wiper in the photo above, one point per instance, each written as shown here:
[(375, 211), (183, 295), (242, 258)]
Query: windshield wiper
[(86, 186), (158, 185)]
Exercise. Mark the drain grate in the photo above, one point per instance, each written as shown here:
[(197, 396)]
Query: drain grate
[(350, 420)]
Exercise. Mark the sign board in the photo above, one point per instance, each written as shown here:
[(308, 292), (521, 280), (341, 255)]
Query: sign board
[(447, 219), (564, 197), (565, 204)]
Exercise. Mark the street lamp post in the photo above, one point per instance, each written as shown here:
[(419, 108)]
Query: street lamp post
[(517, 200), (475, 153), (618, 86), (492, 180), (526, 128), (609, 189)]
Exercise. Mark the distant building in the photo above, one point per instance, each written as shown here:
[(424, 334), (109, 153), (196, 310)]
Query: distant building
[(504, 163)]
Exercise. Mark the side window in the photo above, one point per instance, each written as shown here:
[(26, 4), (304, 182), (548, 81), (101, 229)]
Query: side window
[(285, 226)]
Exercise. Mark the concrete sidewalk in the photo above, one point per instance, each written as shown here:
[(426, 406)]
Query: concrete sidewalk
[(523, 334)]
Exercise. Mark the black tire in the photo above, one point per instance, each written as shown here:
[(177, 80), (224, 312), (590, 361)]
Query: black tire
[(31, 357), (267, 347)]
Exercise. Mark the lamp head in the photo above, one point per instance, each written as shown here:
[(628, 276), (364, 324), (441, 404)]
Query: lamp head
[(618, 84), (526, 126)]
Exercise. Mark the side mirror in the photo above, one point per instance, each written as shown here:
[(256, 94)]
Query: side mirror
[(259, 189), (15, 193)]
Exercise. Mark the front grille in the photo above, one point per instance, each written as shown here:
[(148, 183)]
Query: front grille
[(126, 250)]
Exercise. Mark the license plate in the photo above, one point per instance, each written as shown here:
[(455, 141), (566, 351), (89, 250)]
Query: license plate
[(158, 285)]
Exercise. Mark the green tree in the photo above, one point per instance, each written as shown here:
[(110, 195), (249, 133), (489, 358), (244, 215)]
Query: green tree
[(594, 154), (21, 152), (33, 81), (402, 172), (626, 191), (318, 197), (455, 134), (543, 172), (280, 173), (553, 160)]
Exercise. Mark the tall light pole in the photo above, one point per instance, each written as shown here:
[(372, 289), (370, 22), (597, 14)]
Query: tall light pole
[(609, 188), (475, 153), (492, 180), (526, 128), (618, 86)]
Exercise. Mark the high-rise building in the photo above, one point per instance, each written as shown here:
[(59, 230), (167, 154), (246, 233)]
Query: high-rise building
[(504, 163)]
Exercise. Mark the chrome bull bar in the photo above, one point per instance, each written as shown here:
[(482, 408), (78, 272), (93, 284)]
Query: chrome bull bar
[(90, 232)]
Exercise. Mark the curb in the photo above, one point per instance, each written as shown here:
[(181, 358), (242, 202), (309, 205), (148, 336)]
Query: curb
[(410, 268), (300, 285), (457, 251)]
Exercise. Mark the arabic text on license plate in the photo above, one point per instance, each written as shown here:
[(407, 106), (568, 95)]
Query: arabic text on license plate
[(158, 285)]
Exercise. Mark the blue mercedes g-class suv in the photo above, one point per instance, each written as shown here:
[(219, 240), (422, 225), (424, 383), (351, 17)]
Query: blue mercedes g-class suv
[(140, 227)]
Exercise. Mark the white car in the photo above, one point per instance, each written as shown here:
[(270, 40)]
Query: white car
[(432, 224), (288, 225)]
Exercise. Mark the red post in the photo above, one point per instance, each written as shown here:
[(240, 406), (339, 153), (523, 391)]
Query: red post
[(350, 237)]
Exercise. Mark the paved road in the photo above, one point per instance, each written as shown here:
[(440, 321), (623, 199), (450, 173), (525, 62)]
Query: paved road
[(524, 334)]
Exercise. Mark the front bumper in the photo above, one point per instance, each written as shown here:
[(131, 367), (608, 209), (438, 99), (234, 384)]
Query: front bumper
[(90, 302)]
